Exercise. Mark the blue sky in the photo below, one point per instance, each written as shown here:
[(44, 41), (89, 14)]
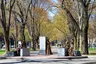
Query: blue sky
[(53, 10), (56, 1), (52, 13)]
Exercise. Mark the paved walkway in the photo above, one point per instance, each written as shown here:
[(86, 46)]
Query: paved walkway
[(41, 59), (49, 59)]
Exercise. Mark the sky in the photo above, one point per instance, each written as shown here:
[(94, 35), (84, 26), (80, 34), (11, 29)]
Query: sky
[(53, 11)]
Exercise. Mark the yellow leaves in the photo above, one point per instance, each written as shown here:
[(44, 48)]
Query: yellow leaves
[(56, 30), (46, 28), (60, 22), (56, 35)]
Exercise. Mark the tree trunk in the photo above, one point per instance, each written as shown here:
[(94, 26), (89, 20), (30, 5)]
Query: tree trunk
[(85, 42), (80, 42), (6, 39), (37, 43), (22, 30), (85, 31), (75, 43), (15, 43), (16, 34), (31, 43), (33, 34), (34, 44)]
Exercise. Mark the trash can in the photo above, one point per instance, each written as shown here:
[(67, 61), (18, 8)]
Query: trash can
[(15, 53), (76, 53), (63, 52)]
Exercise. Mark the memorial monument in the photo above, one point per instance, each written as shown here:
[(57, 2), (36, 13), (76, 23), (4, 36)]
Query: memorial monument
[(45, 48)]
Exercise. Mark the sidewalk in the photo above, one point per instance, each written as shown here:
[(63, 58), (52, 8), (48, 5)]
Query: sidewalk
[(48, 59), (35, 57), (55, 56)]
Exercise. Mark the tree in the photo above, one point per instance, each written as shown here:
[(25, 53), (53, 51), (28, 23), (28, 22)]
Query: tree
[(60, 22), (37, 14), (73, 24), (92, 30), (85, 6), (15, 31), (4, 22), (46, 29), (22, 16)]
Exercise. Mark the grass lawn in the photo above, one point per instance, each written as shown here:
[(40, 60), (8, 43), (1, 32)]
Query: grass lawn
[(2, 52), (92, 51)]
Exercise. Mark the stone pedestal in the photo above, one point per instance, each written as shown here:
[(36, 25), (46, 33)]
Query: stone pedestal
[(24, 52), (62, 52), (42, 52)]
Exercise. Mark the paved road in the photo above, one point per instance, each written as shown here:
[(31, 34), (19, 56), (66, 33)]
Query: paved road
[(90, 60)]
